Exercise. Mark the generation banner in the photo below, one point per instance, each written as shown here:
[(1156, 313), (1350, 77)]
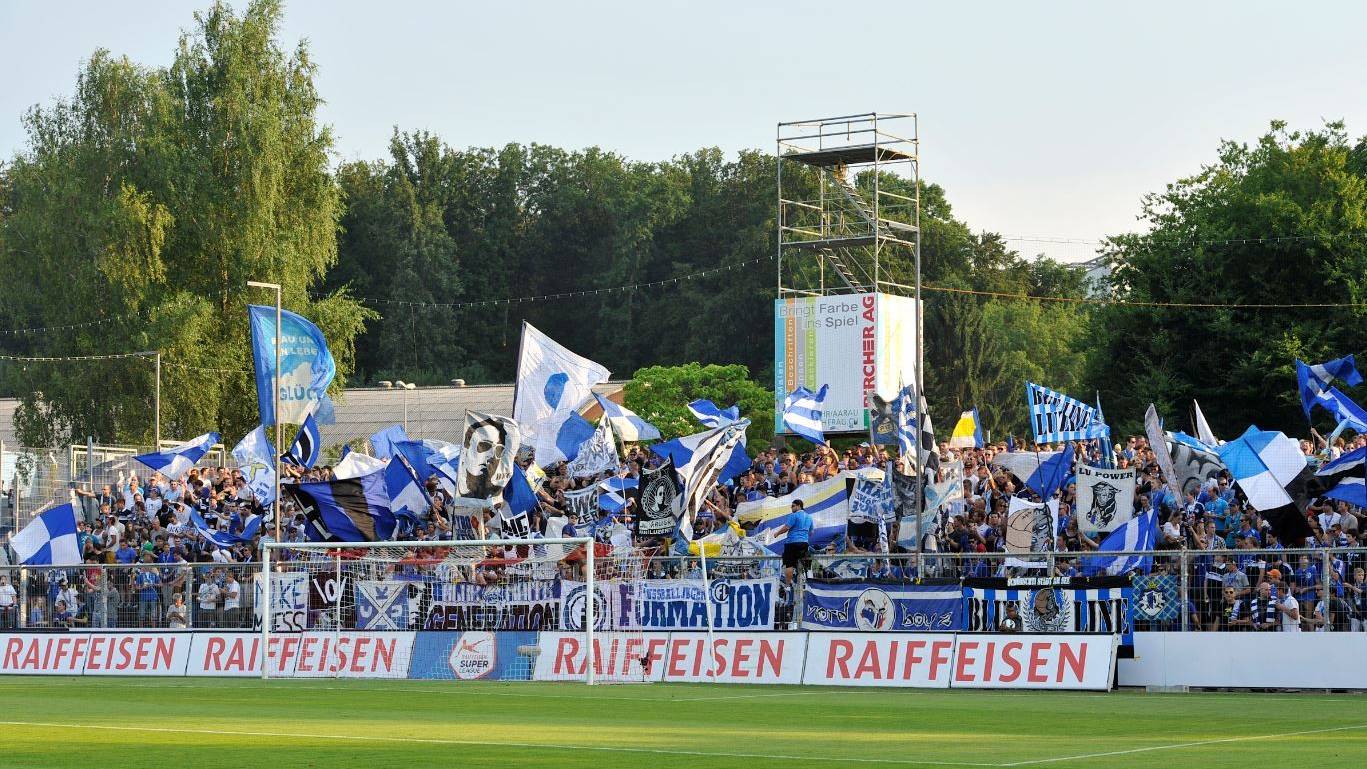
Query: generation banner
[(859, 344), (882, 607), (680, 604), (533, 605)]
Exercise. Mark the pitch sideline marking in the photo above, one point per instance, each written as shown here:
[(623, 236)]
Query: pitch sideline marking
[(435, 690), (495, 744), (1176, 745)]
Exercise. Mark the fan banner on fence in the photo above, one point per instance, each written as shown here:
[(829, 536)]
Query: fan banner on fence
[(611, 607), (382, 605), (1105, 498), (1051, 604), (1156, 598), (1030, 531), (533, 605), (882, 607), (1055, 417), (325, 593), (871, 499), (949, 488), (657, 501), (596, 455), (289, 602), (680, 604)]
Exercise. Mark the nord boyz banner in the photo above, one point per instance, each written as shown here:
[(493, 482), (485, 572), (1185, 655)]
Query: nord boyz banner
[(831, 605)]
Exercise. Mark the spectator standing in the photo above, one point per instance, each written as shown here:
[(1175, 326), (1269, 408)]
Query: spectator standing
[(177, 614), (209, 595), (232, 601), (148, 584), (9, 603)]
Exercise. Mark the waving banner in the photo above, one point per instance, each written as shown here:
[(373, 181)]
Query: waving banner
[(882, 607), (657, 501), (306, 366), (1105, 498), (596, 455)]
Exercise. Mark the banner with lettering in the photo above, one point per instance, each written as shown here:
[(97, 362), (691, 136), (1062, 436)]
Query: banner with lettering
[(860, 605)]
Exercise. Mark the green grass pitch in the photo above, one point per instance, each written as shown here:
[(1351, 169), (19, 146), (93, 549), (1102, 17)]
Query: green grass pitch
[(200, 723)]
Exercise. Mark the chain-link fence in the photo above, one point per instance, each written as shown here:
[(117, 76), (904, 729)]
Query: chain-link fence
[(1218, 590)]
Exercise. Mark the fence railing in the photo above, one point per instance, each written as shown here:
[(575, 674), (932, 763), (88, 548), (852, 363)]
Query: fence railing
[(220, 596)]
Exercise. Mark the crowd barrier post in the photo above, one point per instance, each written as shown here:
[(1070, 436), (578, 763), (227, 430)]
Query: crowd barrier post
[(23, 598), (800, 598), (1184, 590)]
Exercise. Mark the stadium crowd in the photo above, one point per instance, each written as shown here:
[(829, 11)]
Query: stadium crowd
[(171, 574)]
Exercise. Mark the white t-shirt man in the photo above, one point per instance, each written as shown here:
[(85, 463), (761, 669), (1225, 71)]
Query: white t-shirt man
[(8, 596), (208, 596), (232, 594), (1289, 608)]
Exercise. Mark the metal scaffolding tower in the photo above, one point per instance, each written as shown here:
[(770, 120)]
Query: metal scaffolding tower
[(838, 224)]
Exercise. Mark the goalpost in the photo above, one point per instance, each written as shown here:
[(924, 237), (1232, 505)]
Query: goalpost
[(457, 610)]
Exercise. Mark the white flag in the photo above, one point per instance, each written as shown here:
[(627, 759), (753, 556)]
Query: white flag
[(552, 383)]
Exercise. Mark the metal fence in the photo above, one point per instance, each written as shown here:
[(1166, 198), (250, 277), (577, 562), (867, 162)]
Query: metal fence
[(220, 596)]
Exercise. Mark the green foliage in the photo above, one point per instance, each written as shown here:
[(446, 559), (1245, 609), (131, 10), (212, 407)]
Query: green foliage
[(1307, 192), (661, 394), (148, 199)]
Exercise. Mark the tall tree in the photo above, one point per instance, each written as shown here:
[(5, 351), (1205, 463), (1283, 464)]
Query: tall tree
[(1281, 221), (147, 200)]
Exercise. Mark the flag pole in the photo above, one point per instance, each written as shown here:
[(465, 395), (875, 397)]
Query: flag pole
[(279, 427)]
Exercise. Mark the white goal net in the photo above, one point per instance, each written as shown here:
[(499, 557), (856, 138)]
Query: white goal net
[(454, 610)]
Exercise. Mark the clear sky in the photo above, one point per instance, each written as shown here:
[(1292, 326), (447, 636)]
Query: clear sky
[(1042, 120)]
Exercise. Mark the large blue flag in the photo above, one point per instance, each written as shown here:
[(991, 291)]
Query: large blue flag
[(1055, 417), (306, 365), (1344, 410), (518, 493), (350, 510), (1312, 380), (307, 444), (1050, 474), (384, 440), (256, 459), (49, 539), (224, 539), (175, 463)]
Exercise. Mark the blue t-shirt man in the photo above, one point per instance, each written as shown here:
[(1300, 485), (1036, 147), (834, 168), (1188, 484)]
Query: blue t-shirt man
[(799, 525)]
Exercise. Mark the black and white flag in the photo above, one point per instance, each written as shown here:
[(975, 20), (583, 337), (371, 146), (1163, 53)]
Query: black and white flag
[(596, 455), (1105, 498), (657, 501)]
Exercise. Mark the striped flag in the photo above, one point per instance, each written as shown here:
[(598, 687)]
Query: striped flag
[(1138, 533), (904, 408), (307, 444), (176, 462), (711, 415), (630, 428), (1313, 380), (802, 413), (1346, 474)]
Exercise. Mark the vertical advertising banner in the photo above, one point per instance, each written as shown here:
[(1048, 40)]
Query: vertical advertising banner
[(859, 344)]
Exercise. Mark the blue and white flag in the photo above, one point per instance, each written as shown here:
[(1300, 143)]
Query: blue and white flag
[(1055, 417), (712, 415), (1051, 474), (629, 427), (614, 496), (1312, 380), (802, 413), (1345, 411), (350, 510), (306, 365), (904, 413), (383, 441), (1138, 533), (445, 464), (356, 465), (552, 383), (826, 502), (703, 460), (1346, 474), (175, 463), (49, 539), (256, 459), (307, 444), (573, 433), (1263, 463), (407, 495), (221, 537), (418, 454)]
